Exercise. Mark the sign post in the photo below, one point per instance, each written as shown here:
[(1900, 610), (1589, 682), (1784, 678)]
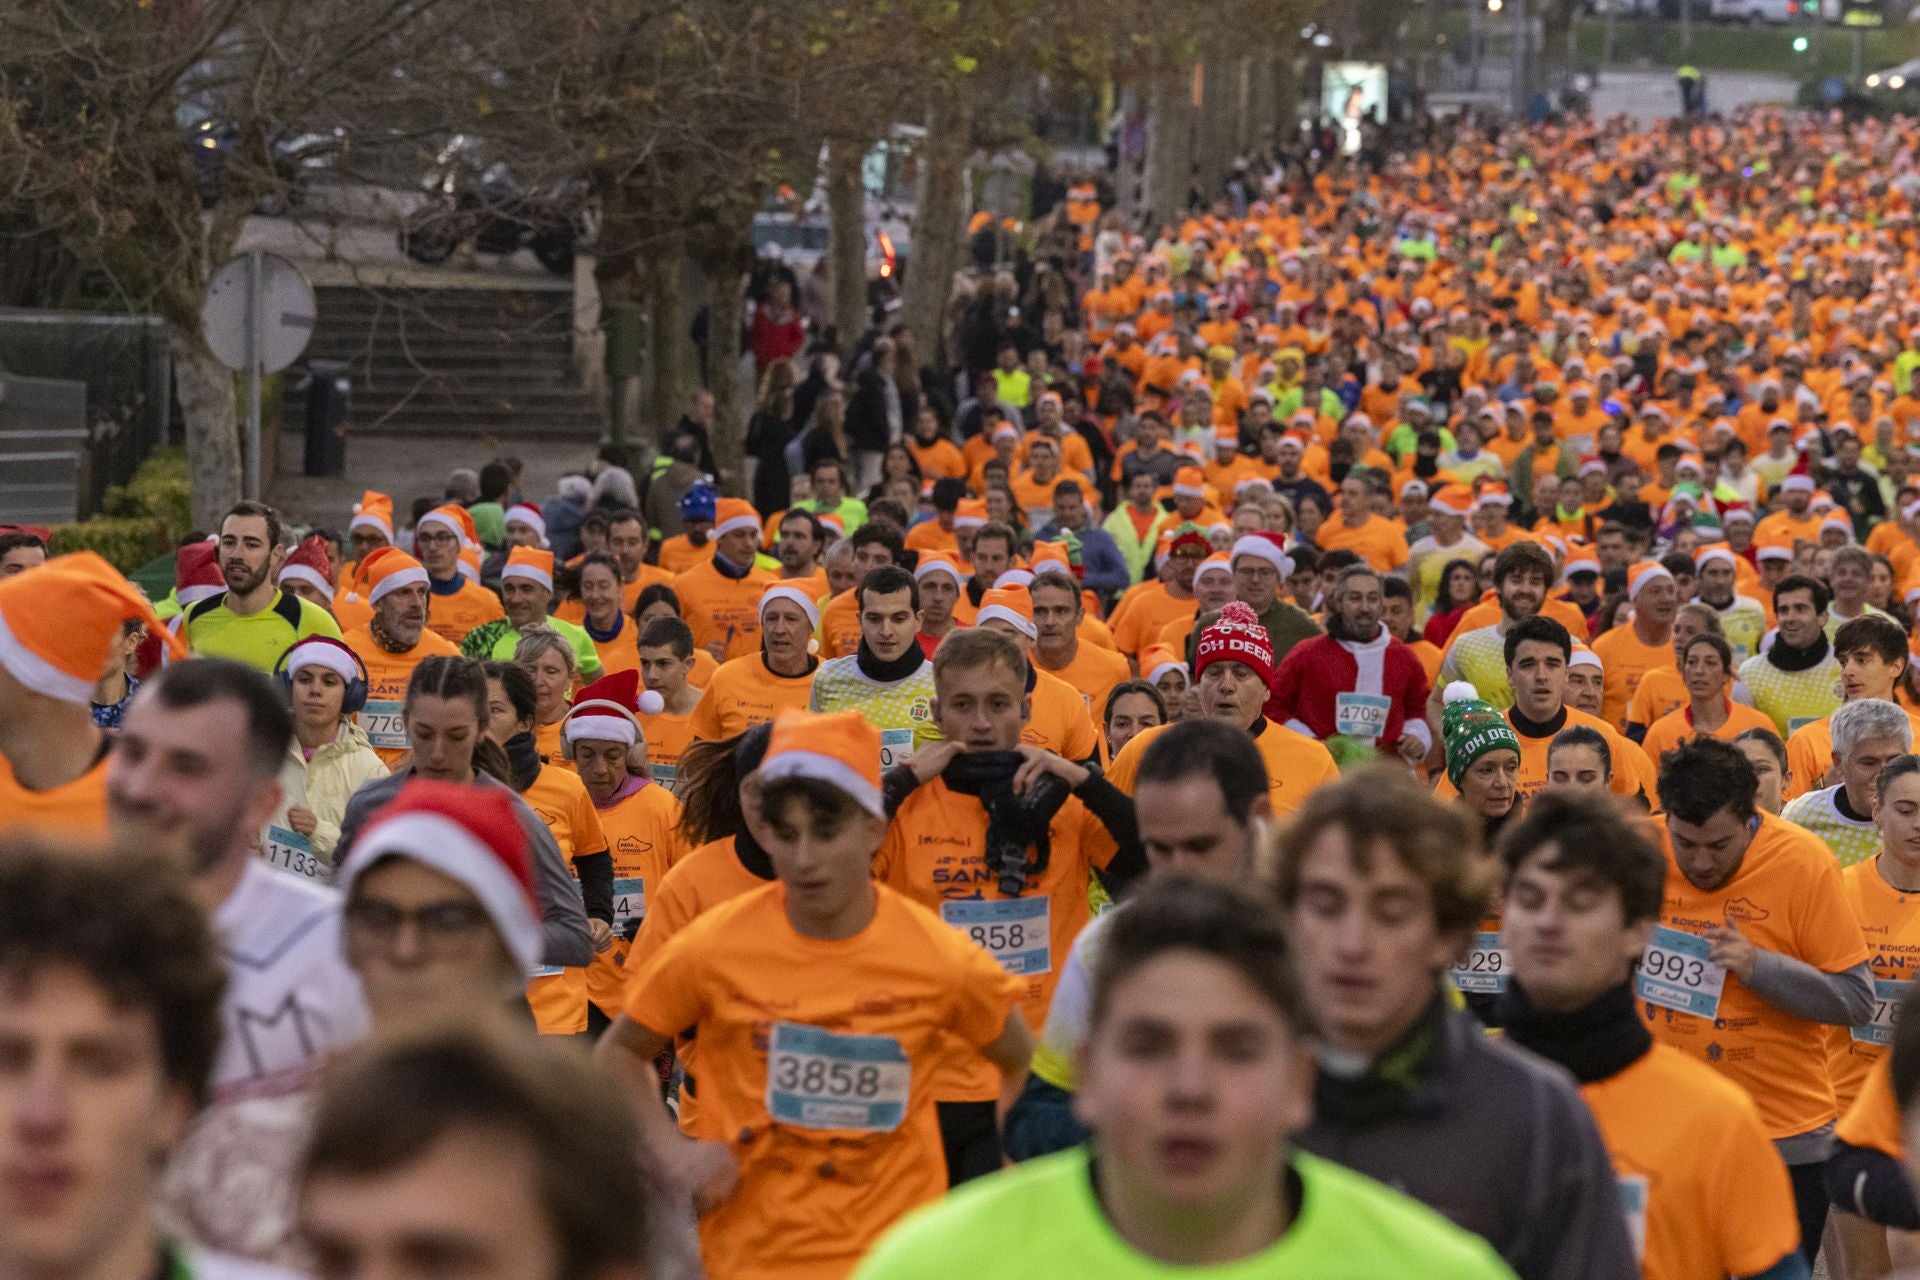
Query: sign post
[(257, 319)]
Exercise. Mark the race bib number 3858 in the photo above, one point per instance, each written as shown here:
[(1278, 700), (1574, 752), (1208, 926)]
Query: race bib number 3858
[(1014, 929), (825, 1080), (1676, 973)]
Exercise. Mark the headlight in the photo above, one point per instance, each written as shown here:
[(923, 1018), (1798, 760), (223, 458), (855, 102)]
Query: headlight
[(1897, 82), (1873, 81)]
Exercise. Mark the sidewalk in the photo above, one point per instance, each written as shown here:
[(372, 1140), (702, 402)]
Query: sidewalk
[(407, 469)]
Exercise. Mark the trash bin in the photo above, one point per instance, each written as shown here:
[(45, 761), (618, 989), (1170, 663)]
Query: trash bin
[(325, 390)]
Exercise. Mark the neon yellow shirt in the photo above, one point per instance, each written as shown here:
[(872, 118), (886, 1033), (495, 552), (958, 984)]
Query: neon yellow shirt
[(1480, 658), (1791, 698), (1851, 840), (902, 710)]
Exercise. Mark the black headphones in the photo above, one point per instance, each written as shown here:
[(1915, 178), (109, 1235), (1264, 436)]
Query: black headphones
[(356, 696)]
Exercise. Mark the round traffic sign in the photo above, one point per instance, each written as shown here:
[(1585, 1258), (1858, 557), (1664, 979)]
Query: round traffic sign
[(283, 323)]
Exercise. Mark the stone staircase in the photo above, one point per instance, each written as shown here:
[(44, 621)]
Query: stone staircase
[(455, 362)]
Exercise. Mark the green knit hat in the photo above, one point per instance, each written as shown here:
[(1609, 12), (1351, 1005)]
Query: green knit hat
[(1470, 727)]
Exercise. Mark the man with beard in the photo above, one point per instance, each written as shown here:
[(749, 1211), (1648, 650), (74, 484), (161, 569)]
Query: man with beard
[(254, 621), (1356, 680), (1521, 576), (392, 643)]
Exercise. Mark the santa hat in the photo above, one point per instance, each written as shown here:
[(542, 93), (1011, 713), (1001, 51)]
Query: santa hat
[(530, 563), (1189, 482), (1581, 564), (1707, 555), (1837, 522), (385, 570), (468, 566), (931, 564), (971, 513), (1734, 511), (1585, 657), (793, 595), (841, 750), (1051, 553), (1015, 577), (469, 834), (1156, 661), (609, 709), (1451, 500), (1236, 636), (453, 518), (732, 514), (196, 573), (1414, 489), (1172, 539), (1494, 495), (324, 652), (310, 563), (1592, 465), (1266, 546), (1798, 483), (1642, 575), (373, 511), (1218, 562), (1773, 551), (523, 513), (1011, 605), (58, 623)]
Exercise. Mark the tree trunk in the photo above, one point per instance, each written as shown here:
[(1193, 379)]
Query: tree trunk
[(727, 281), (1219, 109), (666, 332), (1169, 146), (1262, 100), (938, 224), (1286, 98), (209, 405), (847, 242)]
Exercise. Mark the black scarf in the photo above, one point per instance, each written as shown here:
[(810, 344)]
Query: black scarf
[(873, 668), (523, 758), (1536, 728), (728, 569), (1788, 658), (751, 855), (1014, 823), (605, 637), (1390, 1080), (1595, 1042)]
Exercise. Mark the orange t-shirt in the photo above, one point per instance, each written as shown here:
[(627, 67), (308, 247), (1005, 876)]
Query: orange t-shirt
[(77, 808), (1786, 897), (1706, 1194), (935, 854), (722, 610), (1093, 672), (1660, 691), (744, 693), (1058, 720), (1890, 920), (668, 737), (929, 536), (1378, 541), (1627, 658), (1674, 728), (839, 632), (678, 554), (1296, 764), (622, 651), (1873, 1121), (1632, 774), (1141, 617), (559, 996), (452, 616), (796, 1034), (646, 576), (1810, 753), (641, 835), (387, 677)]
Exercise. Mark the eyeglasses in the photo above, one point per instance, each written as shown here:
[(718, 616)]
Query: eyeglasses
[(433, 539), (437, 922)]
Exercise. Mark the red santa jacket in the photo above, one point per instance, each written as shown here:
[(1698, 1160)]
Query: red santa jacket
[(1326, 686)]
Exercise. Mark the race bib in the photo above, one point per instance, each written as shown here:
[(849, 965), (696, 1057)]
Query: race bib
[(1014, 930), (290, 851), (545, 971), (1484, 969), (1675, 973), (629, 906), (896, 747), (1797, 723), (1361, 715), (1633, 1201), (667, 775), (825, 1080), (1886, 1012), (385, 727)]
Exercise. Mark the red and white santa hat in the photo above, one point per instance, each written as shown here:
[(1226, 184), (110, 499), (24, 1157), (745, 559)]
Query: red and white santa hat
[(794, 595), (196, 573), (324, 652), (1707, 555), (1267, 546), (469, 834), (1235, 636), (609, 709), (528, 515), (310, 563), (1797, 483)]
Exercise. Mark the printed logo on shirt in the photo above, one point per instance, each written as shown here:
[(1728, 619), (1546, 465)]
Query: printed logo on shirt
[(1746, 911)]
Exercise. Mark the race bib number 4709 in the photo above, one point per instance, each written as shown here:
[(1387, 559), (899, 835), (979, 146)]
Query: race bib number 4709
[(826, 1080), (1361, 715), (1676, 972)]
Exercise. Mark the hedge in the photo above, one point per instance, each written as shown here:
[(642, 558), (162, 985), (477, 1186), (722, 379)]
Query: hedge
[(143, 518)]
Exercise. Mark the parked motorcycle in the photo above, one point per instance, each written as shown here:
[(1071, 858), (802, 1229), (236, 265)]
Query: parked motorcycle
[(470, 199)]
